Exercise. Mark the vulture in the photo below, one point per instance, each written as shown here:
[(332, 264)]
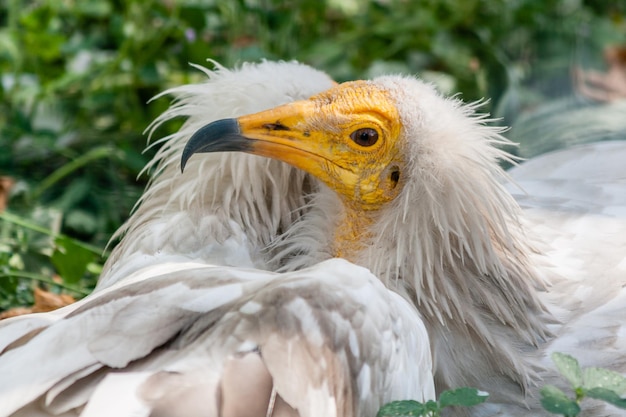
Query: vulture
[(307, 248)]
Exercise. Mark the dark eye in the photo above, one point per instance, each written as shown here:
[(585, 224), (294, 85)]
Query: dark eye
[(364, 137)]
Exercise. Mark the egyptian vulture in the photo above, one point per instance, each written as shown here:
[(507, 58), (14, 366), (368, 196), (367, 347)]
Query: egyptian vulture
[(223, 297)]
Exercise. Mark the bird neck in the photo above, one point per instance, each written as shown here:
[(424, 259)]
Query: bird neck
[(470, 276), (352, 232)]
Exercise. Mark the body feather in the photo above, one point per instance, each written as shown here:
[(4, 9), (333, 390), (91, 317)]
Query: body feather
[(172, 334)]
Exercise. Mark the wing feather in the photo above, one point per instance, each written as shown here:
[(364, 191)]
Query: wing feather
[(152, 342)]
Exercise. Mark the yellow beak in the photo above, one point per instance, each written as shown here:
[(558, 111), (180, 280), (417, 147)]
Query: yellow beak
[(283, 133)]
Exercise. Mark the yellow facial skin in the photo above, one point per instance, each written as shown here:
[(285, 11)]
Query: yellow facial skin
[(316, 135)]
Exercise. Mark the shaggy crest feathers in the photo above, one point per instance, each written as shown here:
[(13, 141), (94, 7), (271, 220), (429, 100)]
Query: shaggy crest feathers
[(251, 199)]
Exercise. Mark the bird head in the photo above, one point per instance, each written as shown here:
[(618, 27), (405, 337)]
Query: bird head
[(349, 137), (390, 145), (417, 172)]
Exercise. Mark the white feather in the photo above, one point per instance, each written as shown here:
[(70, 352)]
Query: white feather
[(140, 338)]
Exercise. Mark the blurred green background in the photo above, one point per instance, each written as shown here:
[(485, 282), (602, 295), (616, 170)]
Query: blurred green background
[(76, 78)]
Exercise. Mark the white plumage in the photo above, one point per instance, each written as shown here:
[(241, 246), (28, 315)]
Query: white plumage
[(175, 333), (188, 320)]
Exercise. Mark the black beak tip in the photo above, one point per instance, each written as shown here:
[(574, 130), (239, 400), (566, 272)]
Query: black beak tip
[(219, 136)]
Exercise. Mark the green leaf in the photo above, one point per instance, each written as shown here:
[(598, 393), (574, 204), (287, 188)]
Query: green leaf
[(607, 395), (432, 408), (9, 46), (605, 385), (402, 408), (70, 259), (466, 397), (100, 152), (555, 401), (93, 8), (569, 367), (604, 378)]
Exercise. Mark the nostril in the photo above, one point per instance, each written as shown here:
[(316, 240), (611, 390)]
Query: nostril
[(275, 126)]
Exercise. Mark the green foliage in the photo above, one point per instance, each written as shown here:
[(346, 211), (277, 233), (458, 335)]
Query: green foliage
[(461, 397), (33, 253), (555, 401), (601, 384), (569, 368), (464, 397), (404, 408)]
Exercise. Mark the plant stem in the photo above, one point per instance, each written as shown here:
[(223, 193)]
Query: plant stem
[(43, 278), (12, 218), (65, 170)]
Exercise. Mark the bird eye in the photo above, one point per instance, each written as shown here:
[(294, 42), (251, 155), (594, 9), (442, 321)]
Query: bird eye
[(364, 137)]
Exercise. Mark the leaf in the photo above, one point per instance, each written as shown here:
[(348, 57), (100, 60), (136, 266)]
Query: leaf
[(606, 385), (93, 8), (604, 378), (569, 367), (432, 408), (402, 408), (607, 395), (466, 397), (70, 259), (555, 401)]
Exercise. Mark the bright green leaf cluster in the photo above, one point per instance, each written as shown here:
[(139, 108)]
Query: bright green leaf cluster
[(461, 397), (601, 384)]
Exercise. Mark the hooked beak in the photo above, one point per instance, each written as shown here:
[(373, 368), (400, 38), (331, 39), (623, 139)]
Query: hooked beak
[(283, 133), (220, 136)]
